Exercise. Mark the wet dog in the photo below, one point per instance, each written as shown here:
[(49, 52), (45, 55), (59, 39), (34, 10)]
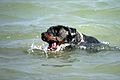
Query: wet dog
[(58, 35)]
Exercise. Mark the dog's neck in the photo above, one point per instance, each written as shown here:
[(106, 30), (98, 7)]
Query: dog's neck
[(81, 35)]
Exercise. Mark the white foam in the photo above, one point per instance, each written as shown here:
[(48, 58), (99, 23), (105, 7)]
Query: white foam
[(62, 47), (82, 47), (44, 48), (104, 42)]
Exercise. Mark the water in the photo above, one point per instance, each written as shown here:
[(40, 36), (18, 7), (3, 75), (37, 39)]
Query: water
[(21, 23)]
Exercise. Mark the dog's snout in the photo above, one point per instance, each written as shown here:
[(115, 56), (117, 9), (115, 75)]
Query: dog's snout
[(42, 34)]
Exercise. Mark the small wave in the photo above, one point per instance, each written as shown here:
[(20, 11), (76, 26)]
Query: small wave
[(99, 47), (57, 65), (90, 48)]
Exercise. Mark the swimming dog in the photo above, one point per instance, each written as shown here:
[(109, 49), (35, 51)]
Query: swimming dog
[(59, 34)]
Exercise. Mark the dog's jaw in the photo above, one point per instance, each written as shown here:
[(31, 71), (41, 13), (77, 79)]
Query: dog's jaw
[(53, 46)]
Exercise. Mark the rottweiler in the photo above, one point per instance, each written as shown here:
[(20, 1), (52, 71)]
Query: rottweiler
[(59, 34)]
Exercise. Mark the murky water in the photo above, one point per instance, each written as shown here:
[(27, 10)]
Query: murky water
[(21, 23)]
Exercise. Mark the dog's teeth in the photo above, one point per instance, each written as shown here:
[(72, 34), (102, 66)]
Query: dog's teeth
[(54, 45)]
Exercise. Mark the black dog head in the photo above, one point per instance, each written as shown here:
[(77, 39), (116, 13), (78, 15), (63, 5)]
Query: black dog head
[(57, 35)]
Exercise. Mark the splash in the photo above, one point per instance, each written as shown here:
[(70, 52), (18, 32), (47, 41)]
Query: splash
[(33, 47), (104, 46), (44, 48)]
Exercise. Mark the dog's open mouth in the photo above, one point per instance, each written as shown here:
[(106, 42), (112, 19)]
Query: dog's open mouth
[(53, 46)]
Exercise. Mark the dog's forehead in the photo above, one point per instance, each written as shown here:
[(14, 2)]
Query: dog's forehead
[(63, 31), (50, 29), (54, 29)]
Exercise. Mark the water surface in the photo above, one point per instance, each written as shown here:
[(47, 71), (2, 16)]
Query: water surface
[(21, 23)]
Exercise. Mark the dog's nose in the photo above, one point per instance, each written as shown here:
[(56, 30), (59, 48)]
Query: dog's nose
[(42, 34)]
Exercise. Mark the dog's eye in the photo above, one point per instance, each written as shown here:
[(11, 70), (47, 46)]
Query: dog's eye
[(49, 34), (54, 34)]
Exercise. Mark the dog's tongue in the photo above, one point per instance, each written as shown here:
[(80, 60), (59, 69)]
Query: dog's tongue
[(53, 46)]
